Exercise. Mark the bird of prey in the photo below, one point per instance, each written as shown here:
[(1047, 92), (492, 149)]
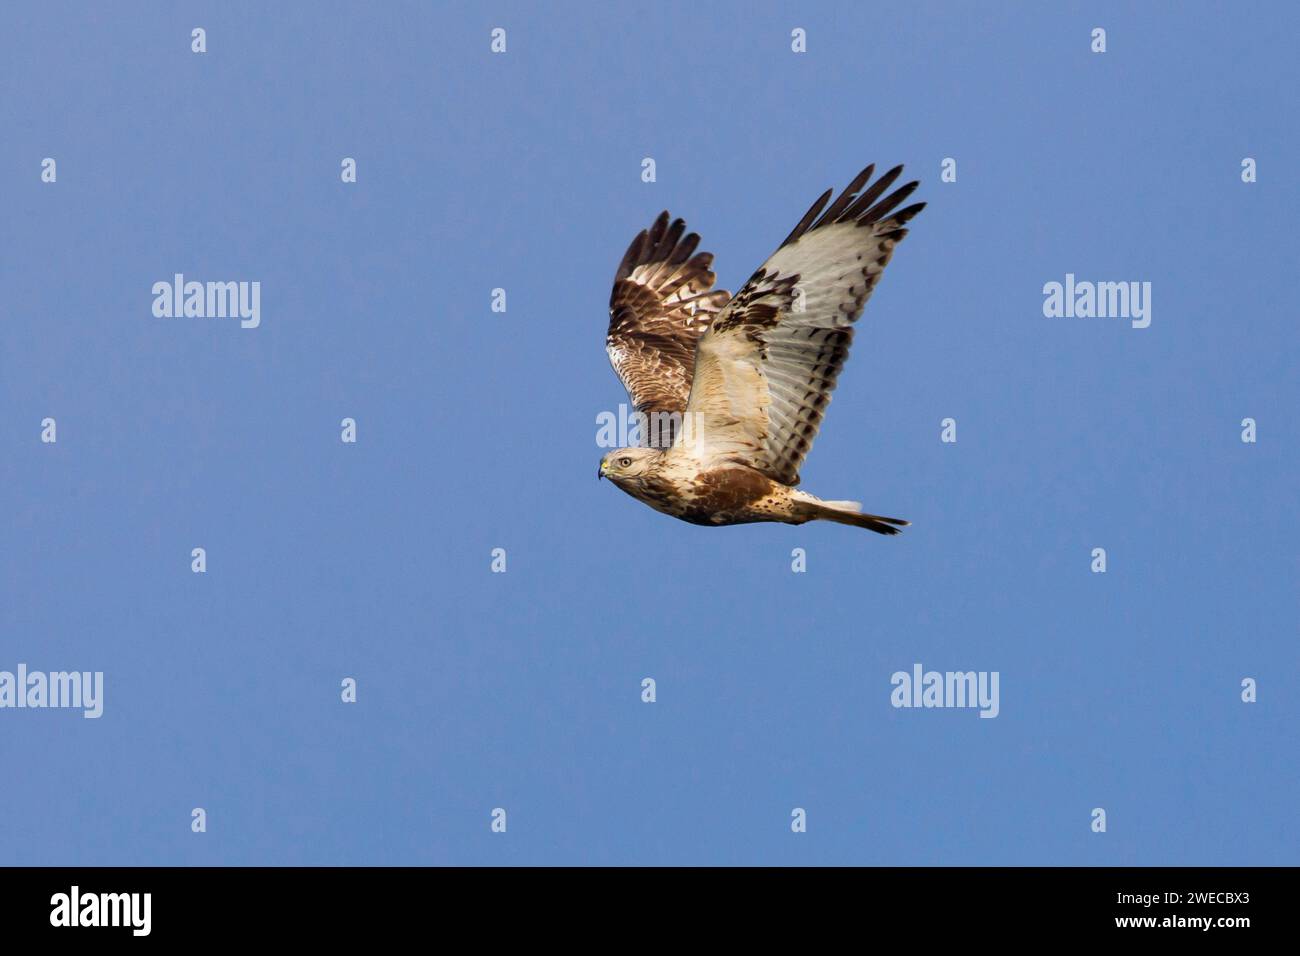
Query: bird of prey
[(733, 389)]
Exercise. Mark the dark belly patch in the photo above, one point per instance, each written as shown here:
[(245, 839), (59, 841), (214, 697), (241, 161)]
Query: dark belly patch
[(728, 494)]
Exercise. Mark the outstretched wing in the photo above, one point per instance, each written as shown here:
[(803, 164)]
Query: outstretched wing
[(660, 306), (768, 363)]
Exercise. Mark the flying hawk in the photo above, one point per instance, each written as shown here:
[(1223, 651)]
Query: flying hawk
[(733, 389)]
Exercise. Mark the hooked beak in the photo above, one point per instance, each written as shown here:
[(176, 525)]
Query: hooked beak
[(600, 472)]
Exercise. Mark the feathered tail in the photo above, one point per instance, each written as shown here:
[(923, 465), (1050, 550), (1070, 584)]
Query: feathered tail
[(845, 512)]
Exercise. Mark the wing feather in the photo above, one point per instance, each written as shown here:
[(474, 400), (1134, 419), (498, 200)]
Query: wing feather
[(767, 364), (662, 301)]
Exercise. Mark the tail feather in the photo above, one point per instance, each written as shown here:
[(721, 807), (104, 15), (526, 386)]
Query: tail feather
[(850, 513)]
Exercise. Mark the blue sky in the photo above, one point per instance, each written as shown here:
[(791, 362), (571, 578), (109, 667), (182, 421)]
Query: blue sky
[(476, 430)]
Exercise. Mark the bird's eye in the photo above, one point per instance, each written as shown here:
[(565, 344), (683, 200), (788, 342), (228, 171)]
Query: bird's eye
[(625, 462)]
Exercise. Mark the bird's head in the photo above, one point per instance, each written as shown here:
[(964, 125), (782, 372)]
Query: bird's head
[(628, 464)]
